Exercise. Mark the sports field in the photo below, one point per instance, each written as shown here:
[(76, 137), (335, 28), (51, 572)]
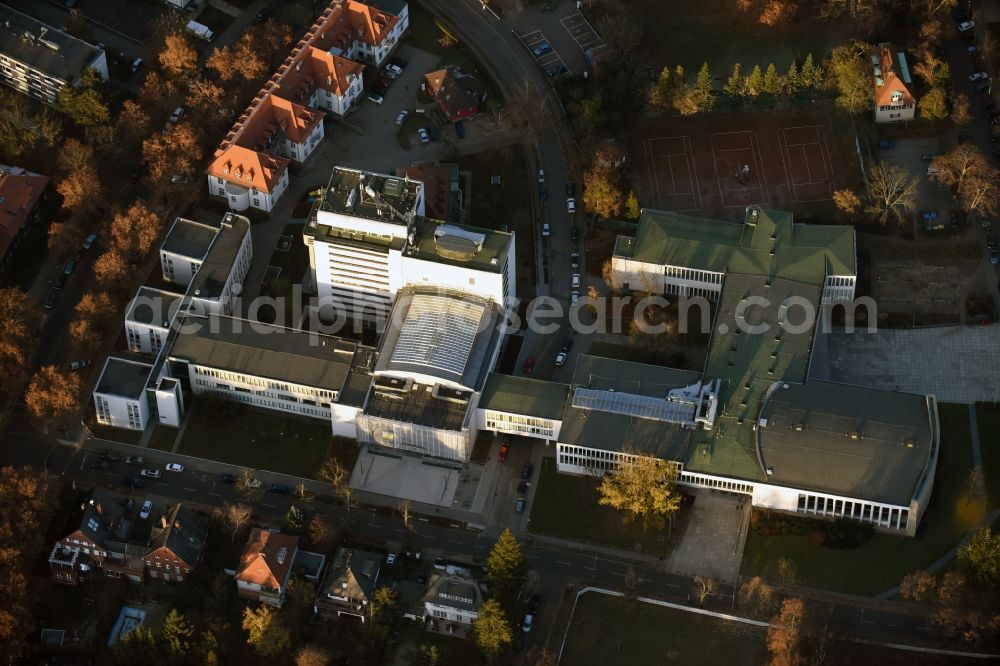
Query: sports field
[(716, 165)]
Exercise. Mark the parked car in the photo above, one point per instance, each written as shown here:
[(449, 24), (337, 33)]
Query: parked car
[(966, 26), (382, 84), (89, 241), (527, 623), (543, 192), (519, 505), (136, 64), (375, 97), (574, 234), (395, 69), (544, 48), (574, 296), (424, 136), (928, 157), (390, 559), (228, 479), (961, 14), (110, 455), (279, 489), (100, 465), (70, 267), (571, 189), (545, 230), (574, 280), (76, 366), (50, 299), (433, 131), (570, 205), (886, 144), (133, 482), (502, 456), (176, 115), (398, 62), (253, 483), (150, 473), (389, 74), (574, 259), (522, 487), (556, 70), (411, 553), (566, 345), (993, 257), (401, 118), (541, 175), (460, 129), (175, 467), (527, 470), (147, 508), (971, 50), (135, 460), (420, 578), (976, 76), (560, 359), (982, 87), (529, 365)]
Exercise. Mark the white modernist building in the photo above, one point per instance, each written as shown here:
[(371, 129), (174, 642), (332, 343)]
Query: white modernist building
[(120, 395), (149, 317), (209, 260), (368, 239), (38, 60)]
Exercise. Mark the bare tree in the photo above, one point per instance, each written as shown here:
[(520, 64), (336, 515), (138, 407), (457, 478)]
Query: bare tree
[(891, 192), (236, 516), (404, 512), (757, 595), (917, 586), (979, 192), (334, 473), (704, 587), (248, 486), (952, 168), (786, 571)]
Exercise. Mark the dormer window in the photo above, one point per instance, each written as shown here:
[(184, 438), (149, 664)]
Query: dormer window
[(897, 97)]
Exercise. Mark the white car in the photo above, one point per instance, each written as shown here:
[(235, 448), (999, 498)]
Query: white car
[(574, 296), (401, 118), (570, 205), (527, 623), (395, 69), (390, 558), (147, 508), (976, 76), (151, 473), (424, 137), (175, 467), (560, 359), (545, 229), (176, 115), (375, 97), (76, 366), (966, 26), (575, 280), (541, 175)]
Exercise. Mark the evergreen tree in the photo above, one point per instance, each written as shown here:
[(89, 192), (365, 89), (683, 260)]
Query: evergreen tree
[(492, 628), (706, 93), (735, 85), (176, 635), (792, 81), (661, 94), (506, 565), (679, 75), (811, 76), (755, 82), (772, 82), (632, 207)]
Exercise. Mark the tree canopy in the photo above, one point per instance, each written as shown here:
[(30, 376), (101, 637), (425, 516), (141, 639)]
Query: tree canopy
[(849, 75), (980, 558), (642, 487), (492, 628)]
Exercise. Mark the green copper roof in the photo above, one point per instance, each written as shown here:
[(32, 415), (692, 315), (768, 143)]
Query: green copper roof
[(768, 243), (520, 395)]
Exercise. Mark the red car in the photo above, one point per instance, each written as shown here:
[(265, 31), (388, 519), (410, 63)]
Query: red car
[(529, 365), (502, 457)]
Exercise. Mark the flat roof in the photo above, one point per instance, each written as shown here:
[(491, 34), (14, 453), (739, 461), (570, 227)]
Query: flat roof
[(420, 406), (847, 440), (461, 245), (369, 195), (768, 242), (123, 376), (265, 350), (612, 374), (49, 50), (215, 269), (618, 432), (153, 306), (747, 365), (443, 334), (190, 238), (522, 395)]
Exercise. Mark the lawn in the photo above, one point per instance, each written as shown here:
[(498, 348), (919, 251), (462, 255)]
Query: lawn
[(988, 418), (452, 651), (566, 506), (611, 631), (880, 563), (239, 435)]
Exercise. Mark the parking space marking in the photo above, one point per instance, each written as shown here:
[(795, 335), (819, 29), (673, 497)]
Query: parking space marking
[(548, 60), (582, 32)]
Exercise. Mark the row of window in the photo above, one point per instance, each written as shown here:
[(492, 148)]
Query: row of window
[(282, 405), (691, 292), (103, 409), (874, 514), (677, 272), (721, 484), (837, 281), (524, 425), (263, 383), (134, 416)]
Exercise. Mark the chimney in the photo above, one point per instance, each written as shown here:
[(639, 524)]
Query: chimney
[(163, 521)]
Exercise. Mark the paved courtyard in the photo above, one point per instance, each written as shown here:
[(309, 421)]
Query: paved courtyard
[(712, 544), (955, 363)]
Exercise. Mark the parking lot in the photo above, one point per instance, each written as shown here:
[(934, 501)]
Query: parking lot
[(582, 32), (544, 54), (908, 153)]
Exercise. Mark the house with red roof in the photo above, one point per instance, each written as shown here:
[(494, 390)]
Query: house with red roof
[(457, 93), (20, 191), (266, 566), (892, 84)]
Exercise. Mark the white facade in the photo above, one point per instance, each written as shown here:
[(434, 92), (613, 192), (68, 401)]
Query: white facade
[(300, 152), (497, 286), (119, 412), (169, 402), (326, 100), (377, 54), (839, 288), (359, 278), (120, 395), (343, 420), (261, 392), (240, 197), (518, 424)]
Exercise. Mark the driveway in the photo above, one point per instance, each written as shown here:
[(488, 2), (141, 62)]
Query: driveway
[(712, 543), (955, 363)]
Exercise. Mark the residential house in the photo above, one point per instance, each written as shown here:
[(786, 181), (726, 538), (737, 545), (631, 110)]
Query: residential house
[(106, 533), (176, 544), (893, 85), (458, 94), (453, 599), (20, 192), (266, 566), (350, 583), (38, 59)]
